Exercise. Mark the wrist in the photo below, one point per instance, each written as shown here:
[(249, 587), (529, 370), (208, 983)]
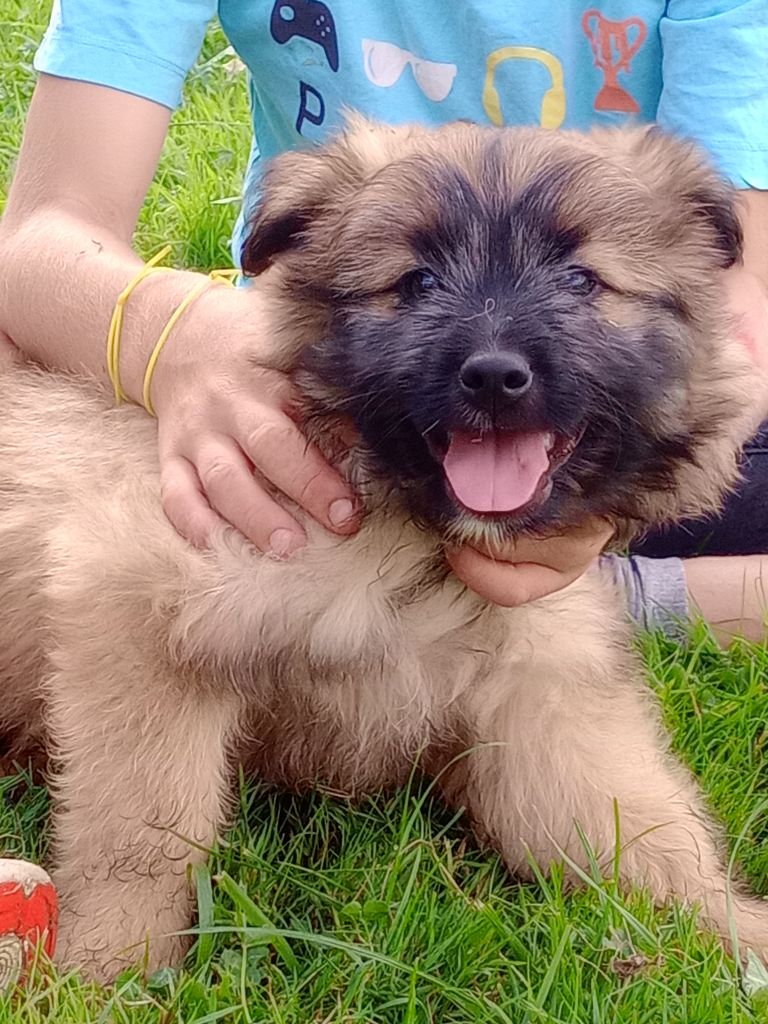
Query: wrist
[(145, 314), (754, 219), (215, 335)]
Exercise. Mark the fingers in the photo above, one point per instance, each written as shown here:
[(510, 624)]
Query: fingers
[(282, 454), (505, 583), (227, 441), (184, 503), (224, 491), (232, 490), (530, 567), (565, 552), (208, 478)]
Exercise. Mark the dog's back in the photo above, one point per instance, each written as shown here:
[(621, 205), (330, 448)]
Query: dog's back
[(57, 453)]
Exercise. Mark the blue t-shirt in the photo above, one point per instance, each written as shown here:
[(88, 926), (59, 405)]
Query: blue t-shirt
[(697, 67)]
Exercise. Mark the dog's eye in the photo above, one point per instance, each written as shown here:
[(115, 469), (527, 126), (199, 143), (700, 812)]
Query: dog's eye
[(417, 283), (580, 281)]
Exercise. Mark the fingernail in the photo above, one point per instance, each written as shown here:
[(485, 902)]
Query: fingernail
[(284, 543), (341, 511)]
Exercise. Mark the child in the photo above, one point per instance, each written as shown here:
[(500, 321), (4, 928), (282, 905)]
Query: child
[(112, 71)]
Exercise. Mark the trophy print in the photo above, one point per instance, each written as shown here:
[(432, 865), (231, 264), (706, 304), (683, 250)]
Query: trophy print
[(614, 44)]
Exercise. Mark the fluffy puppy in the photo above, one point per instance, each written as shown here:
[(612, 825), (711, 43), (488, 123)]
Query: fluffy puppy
[(526, 329)]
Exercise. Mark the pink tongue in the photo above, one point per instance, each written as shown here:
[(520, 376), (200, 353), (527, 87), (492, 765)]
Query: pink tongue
[(496, 472)]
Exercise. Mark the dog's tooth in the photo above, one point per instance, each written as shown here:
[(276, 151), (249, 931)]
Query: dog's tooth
[(549, 441)]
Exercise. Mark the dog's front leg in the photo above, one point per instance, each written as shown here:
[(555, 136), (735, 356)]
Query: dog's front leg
[(141, 792), (570, 739)]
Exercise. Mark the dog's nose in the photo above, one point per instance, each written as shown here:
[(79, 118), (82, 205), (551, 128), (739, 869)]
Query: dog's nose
[(493, 380)]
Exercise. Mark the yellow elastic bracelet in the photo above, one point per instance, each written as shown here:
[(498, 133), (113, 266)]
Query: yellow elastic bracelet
[(214, 276), (116, 323), (228, 274)]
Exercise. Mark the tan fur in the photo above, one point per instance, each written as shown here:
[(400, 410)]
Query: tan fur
[(157, 668)]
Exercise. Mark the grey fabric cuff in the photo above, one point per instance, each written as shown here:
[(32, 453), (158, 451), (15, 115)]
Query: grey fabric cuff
[(655, 589)]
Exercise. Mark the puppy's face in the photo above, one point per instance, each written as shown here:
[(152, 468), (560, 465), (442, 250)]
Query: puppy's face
[(525, 327)]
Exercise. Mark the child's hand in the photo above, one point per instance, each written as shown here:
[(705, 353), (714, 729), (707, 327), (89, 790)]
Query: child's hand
[(226, 433), (530, 568)]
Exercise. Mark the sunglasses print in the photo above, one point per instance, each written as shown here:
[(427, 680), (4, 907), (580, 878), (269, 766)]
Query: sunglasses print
[(384, 64)]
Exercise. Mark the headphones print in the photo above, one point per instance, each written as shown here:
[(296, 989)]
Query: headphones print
[(552, 113)]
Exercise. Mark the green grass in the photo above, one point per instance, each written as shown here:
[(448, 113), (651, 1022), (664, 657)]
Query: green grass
[(314, 911)]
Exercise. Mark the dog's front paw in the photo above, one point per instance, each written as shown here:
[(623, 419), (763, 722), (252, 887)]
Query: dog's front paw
[(103, 932), (101, 952), (746, 918)]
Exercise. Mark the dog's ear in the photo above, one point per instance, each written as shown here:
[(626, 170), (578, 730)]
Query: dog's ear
[(682, 174), (295, 189), (685, 174), (300, 187), (718, 208)]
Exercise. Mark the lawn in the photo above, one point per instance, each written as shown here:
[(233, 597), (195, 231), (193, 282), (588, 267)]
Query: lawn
[(315, 911)]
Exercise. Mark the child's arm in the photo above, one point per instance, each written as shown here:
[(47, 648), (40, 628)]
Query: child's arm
[(755, 222), (88, 156), (747, 285)]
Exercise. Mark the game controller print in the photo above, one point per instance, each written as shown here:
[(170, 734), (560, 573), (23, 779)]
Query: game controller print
[(307, 19)]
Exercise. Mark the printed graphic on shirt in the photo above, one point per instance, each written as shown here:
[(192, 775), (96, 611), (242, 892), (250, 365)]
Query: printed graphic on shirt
[(307, 19), (552, 111), (311, 106), (384, 64), (614, 44), (313, 21)]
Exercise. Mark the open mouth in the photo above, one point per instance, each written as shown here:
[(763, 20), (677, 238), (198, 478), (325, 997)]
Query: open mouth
[(502, 472)]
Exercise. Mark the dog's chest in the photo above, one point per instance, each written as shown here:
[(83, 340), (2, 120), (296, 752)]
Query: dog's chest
[(356, 716), (381, 593), (356, 652)]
